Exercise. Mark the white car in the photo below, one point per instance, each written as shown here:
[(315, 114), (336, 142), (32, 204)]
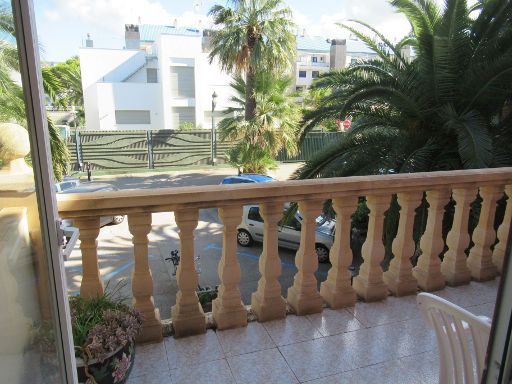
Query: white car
[(251, 230)]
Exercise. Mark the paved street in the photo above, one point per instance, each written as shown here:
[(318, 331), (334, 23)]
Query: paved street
[(115, 247)]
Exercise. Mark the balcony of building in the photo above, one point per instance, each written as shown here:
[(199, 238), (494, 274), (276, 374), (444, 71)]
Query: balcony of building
[(311, 323)]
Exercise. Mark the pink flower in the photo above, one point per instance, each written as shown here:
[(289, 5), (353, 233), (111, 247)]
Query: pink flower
[(121, 367)]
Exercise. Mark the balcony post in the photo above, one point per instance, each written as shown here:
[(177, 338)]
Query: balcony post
[(187, 314), (428, 269), (337, 290), (267, 302), (369, 284), (228, 309), (91, 285), (498, 256), (480, 257), (139, 225), (399, 277), (454, 266), (303, 296)]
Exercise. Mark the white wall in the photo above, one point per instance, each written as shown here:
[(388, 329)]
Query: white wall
[(128, 96)]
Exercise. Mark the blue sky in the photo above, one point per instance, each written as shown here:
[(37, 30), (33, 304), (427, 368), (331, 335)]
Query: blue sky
[(63, 24)]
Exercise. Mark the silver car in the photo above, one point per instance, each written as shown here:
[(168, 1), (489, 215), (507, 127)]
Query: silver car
[(251, 230)]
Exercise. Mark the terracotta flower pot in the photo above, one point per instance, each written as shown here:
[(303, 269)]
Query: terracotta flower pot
[(115, 369)]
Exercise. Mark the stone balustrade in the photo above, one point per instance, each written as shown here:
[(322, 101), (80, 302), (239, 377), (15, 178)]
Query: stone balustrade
[(431, 272)]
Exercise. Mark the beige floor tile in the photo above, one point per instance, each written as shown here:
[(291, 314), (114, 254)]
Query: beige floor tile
[(332, 322), (391, 310), (472, 294), (150, 360), (263, 367), (193, 350), (248, 339), (482, 309), (151, 378), (213, 372), (291, 330)]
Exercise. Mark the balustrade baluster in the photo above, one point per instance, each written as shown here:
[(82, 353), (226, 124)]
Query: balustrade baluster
[(187, 315), (303, 296), (399, 277), (91, 285), (337, 290), (428, 269), (267, 302), (369, 284), (454, 266), (228, 309), (142, 281), (480, 257), (498, 256)]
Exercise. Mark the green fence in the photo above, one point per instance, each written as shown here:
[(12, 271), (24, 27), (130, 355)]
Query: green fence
[(166, 148)]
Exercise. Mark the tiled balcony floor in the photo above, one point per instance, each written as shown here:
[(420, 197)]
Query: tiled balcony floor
[(386, 342)]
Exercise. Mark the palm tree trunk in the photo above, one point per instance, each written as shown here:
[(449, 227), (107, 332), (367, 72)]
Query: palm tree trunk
[(250, 98)]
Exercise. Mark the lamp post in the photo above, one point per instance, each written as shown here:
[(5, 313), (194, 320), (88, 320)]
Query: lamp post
[(214, 138)]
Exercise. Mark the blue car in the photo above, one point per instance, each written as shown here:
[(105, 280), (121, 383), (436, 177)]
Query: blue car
[(247, 178)]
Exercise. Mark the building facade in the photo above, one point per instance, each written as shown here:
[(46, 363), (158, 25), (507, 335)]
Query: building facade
[(161, 80)]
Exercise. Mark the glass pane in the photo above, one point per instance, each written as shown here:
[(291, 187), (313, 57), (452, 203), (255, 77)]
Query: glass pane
[(28, 348)]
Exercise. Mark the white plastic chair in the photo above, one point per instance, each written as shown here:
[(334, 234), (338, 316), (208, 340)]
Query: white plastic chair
[(461, 338)]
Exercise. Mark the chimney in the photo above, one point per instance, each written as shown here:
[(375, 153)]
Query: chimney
[(207, 40), (338, 53), (88, 42), (132, 36)]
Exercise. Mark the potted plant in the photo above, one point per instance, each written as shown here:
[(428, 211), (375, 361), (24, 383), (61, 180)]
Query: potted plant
[(104, 330)]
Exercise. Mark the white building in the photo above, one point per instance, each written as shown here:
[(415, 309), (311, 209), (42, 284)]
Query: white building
[(317, 55), (162, 80)]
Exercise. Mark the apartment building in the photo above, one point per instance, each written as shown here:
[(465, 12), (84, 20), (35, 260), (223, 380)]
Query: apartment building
[(161, 79)]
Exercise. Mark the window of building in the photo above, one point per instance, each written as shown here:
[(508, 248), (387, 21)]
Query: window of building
[(182, 82), (183, 116), (302, 73), (254, 214), (133, 117), (152, 75), (322, 59), (314, 59), (315, 74)]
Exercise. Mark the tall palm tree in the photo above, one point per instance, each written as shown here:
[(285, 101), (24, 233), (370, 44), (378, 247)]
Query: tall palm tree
[(275, 125), (12, 102), (447, 108), (252, 36)]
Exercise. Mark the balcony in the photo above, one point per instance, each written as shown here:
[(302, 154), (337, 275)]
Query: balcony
[(320, 333)]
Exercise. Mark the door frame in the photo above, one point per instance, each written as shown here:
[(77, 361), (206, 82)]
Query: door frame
[(28, 52)]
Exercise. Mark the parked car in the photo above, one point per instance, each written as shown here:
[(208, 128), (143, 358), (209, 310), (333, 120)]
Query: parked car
[(251, 230), (247, 178), (67, 187), (67, 183)]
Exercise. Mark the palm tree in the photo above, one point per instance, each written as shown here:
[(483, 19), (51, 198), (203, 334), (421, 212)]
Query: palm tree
[(447, 108), (275, 125), (252, 36), (12, 102)]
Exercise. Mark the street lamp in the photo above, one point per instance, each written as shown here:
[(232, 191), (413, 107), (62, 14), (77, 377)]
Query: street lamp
[(214, 138)]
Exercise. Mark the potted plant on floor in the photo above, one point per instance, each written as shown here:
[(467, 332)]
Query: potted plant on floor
[(104, 330)]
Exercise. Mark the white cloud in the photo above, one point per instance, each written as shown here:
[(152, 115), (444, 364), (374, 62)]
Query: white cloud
[(111, 15), (52, 15)]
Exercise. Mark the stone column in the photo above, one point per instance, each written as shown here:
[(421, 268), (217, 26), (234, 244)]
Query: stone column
[(428, 269), (454, 266), (498, 256), (303, 296), (142, 281), (369, 284), (399, 277), (187, 315), (267, 302), (480, 257), (337, 290), (228, 309), (89, 227)]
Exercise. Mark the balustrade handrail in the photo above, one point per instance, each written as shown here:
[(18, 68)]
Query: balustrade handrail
[(171, 199)]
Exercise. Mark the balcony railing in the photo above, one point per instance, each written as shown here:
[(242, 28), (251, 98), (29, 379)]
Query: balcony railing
[(372, 283)]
